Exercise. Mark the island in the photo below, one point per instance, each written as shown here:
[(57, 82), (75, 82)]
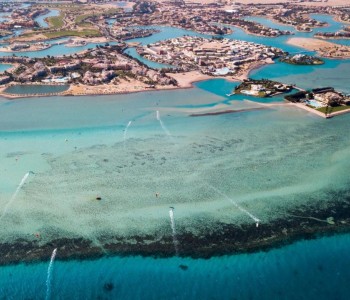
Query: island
[(302, 59), (215, 57), (324, 100), (25, 47), (96, 71), (110, 69), (262, 88), (341, 34)]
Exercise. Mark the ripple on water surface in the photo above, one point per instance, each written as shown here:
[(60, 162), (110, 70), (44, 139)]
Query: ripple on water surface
[(266, 161), (316, 269)]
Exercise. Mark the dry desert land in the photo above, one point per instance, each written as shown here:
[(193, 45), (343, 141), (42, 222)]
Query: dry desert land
[(324, 48)]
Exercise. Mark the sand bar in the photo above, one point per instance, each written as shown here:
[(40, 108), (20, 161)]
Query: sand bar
[(324, 48)]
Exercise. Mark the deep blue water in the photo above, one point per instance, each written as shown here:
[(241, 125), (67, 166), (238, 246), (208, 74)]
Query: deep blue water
[(313, 269)]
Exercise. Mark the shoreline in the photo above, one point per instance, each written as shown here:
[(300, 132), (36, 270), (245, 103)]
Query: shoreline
[(321, 46), (30, 49), (303, 222), (42, 38), (294, 26), (331, 38), (186, 80)]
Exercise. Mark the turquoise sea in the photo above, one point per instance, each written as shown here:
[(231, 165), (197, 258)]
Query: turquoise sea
[(315, 269), (58, 154)]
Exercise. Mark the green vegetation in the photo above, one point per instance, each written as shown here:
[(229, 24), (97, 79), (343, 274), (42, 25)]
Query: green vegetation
[(79, 20), (64, 33), (144, 7), (296, 97), (125, 74), (330, 109), (302, 60), (19, 70), (28, 34), (56, 22), (261, 88)]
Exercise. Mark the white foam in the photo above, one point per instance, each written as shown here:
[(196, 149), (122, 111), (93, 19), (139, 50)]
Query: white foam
[(49, 274), (14, 195), (256, 220), (172, 224), (167, 132), (126, 130)]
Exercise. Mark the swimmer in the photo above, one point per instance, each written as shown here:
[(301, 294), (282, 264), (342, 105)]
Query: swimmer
[(157, 194)]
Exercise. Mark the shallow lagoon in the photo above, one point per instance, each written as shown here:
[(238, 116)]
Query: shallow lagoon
[(266, 161)]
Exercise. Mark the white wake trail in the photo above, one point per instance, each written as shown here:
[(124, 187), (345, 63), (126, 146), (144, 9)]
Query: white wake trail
[(25, 177), (49, 274), (167, 132), (172, 224), (256, 220), (126, 130)]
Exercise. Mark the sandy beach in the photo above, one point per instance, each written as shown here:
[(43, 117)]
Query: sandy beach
[(323, 48), (33, 47), (185, 80)]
